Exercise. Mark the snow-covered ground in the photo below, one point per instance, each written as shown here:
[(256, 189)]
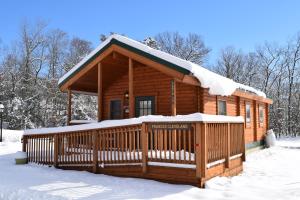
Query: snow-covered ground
[(269, 174)]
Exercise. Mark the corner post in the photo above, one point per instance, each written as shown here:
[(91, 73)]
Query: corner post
[(95, 152), (203, 151), (244, 142), (130, 89), (144, 134), (24, 143), (69, 110), (227, 153), (55, 150), (100, 92), (198, 152), (173, 96)]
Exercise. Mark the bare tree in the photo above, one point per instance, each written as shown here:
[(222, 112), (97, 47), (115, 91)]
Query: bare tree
[(191, 48)]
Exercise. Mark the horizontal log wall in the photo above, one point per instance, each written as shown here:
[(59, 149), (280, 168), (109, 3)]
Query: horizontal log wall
[(236, 106), (147, 150)]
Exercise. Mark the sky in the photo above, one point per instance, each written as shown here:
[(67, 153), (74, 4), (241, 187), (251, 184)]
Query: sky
[(243, 24)]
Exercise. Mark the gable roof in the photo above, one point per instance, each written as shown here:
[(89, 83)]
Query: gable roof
[(217, 84)]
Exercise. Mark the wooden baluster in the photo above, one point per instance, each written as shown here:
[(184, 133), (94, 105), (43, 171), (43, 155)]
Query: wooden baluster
[(128, 130), (190, 145), (165, 143), (179, 145), (151, 145), (184, 145), (227, 159)]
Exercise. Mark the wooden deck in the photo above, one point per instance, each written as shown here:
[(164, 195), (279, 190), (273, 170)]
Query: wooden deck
[(174, 152)]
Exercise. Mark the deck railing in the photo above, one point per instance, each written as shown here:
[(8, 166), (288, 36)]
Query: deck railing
[(194, 144)]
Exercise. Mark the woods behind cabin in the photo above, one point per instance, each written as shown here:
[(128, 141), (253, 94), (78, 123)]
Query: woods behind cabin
[(31, 66)]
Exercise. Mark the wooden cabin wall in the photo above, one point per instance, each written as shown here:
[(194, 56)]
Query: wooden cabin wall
[(190, 99), (146, 82), (254, 131), (186, 98), (150, 82)]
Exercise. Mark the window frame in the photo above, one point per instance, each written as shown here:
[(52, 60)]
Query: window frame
[(261, 109), (248, 123), (218, 102), (139, 99)]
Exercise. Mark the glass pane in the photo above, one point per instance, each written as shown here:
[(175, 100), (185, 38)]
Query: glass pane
[(149, 104), (222, 107), (141, 104), (141, 112), (248, 114), (149, 111), (145, 104)]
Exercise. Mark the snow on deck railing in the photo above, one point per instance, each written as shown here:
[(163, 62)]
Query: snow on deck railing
[(196, 117)]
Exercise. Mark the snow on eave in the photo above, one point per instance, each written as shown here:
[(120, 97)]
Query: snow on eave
[(196, 117), (217, 84)]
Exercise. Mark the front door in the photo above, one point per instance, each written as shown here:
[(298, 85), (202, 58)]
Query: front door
[(115, 109), (144, 105)]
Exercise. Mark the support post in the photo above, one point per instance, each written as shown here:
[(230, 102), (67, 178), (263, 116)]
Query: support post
[(95, 152), (227, 158), (130, 90), (69, 111), (203, 151), (144, 134), (55, 150), (198, 152), (173, 96), (244, 143), (100, 92)]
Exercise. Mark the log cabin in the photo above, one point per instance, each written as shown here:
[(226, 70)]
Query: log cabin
[(159, 117), (132, 80)]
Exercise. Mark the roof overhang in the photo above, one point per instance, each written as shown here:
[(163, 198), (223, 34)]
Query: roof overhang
[(127, 50)]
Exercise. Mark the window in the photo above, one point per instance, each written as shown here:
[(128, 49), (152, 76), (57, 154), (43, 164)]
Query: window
[(115, 109), (144, 106), (261, 115), (248, 113), (222, 107)]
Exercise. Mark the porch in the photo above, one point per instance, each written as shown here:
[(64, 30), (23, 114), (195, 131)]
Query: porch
[(186, 150)]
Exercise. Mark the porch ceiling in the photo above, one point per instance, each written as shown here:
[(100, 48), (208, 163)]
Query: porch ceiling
[(114, 66)]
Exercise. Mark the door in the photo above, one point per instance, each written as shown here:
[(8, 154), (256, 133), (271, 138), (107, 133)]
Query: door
[(115, 109), (144, 106)]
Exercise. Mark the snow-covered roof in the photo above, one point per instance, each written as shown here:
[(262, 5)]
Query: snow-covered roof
[(217, 84), (197, 117)]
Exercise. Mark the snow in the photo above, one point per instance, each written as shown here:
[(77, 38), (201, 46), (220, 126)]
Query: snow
[(81, 121), (268, 174), (217, 84), (132, 121), (20, 155)]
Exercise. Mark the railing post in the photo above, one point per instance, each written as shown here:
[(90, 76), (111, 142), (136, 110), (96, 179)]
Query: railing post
[(95, 151), (198, 149), (203, 150), (144, 134), (55, 150), (244, 143), (24, 143), (227, 158)]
